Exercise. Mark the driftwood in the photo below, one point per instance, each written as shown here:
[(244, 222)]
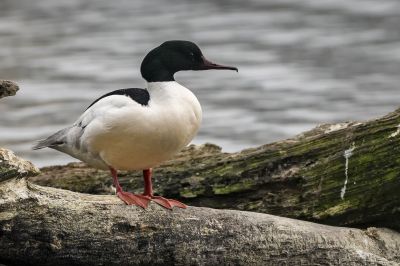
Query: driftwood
[(345, 174), (48, 226)]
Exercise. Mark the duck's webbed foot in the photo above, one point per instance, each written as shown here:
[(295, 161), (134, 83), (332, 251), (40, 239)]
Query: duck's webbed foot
[(166, 203)]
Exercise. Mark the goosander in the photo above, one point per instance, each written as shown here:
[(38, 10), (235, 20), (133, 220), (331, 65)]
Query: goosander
[(137, 129)]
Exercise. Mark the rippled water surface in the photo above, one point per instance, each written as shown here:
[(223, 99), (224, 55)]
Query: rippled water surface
[(300, 63)]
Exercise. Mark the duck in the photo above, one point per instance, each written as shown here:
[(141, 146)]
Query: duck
[(136, 129)]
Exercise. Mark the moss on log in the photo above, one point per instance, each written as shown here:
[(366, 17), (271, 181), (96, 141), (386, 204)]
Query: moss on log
[(343, 174), (48, 226)]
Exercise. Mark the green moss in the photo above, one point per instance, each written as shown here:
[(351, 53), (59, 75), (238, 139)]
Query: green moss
[(254, 205), (226, 169), (391, 176), (243, 185), (188, 193), (335, 210)]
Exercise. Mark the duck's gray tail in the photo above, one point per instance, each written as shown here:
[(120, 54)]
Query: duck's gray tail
[(53, 141)]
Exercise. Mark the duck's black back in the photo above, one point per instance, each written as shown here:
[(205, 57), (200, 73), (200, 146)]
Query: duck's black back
[(140, 96)]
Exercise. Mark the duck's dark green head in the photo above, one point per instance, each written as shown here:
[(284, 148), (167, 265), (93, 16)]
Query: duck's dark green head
[(161, 63)]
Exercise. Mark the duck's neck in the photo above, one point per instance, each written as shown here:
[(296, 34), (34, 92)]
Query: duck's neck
[(161, 85), (167, 90), (158, 75)]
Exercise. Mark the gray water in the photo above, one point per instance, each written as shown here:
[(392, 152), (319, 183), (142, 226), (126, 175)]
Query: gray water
[(300, 63)]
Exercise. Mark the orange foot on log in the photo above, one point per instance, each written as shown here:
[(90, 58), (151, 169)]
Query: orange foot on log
[(144, 199)]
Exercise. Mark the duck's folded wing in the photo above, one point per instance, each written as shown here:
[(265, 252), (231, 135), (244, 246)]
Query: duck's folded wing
[(70, 137)]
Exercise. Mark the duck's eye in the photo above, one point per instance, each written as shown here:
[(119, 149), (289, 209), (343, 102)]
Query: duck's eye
[(192, 57)]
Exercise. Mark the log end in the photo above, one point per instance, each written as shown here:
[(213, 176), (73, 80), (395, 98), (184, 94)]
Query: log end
[(11, 166), (8, 88)]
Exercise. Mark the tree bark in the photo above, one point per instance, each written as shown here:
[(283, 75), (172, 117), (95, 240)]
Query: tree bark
[(48, 226), (344, 174)]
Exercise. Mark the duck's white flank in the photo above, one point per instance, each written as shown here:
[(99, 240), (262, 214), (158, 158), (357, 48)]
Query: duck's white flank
[(119, 132)]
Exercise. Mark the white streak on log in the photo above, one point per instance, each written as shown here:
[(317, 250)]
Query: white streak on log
[(347, 154), (394, 134)]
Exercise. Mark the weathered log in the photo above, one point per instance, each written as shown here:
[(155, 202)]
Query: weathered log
[(8, 88), (49, 226), (344, 174)]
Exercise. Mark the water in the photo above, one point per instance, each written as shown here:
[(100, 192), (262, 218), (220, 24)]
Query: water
[(300, 63)]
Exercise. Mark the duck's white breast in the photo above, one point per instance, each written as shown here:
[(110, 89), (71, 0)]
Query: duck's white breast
[(130, 136)]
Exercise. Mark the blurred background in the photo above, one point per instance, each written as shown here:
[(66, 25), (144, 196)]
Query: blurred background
[(300, 63)]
